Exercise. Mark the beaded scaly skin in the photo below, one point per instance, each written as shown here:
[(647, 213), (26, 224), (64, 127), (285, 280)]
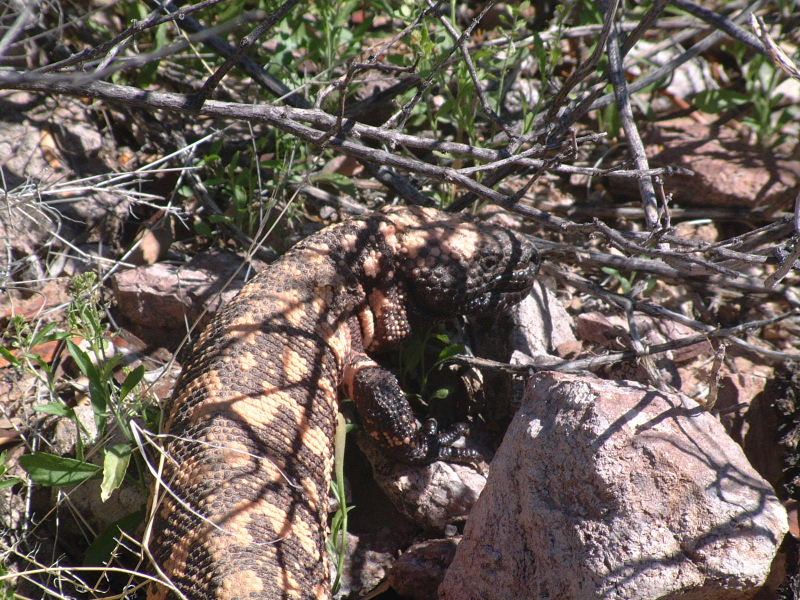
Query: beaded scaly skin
[(251, 423)]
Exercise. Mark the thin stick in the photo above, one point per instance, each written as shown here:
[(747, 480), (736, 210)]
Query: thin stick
[(244, 45), (617, 76)]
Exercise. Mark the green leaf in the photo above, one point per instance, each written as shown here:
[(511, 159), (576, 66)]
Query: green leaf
[(442, 393), (342, 182), (131, 381), (219, 219), (115, 465), (83, 361), (442, 337), (625, 283), (98, 394), (56, 408), (51, 470), (9, 356), (42, 363), (100, 550), (449, 351), (45, 334), (111, 363), (7, 590), (337, 540), (717, 101), (203, 229), (10, 482)]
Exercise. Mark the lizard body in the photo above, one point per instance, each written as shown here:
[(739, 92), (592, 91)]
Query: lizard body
[(251, 423)]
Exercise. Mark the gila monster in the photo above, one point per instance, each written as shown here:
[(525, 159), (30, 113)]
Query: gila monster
[(251, 423)]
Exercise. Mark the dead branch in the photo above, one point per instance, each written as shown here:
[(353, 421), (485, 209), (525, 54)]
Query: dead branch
[(635, 145), (594, 362)]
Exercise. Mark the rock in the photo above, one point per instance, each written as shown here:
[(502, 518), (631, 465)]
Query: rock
[(152, 242), (763, 433), (376, 533), (612, 332), (47, 297), (64, 437), (85, 499), (23, 155), (741, 383), (164, 296), (599, 329), (685, 81), (783, 574), (419, 571), (539, 332), (542, 324), (684, 368), (368, 560), (24, 226), (430, 495), (614, 490), (13, 505), (49, 141), (729, 171)]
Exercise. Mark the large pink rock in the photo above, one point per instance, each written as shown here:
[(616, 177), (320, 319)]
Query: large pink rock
[(613, 490)]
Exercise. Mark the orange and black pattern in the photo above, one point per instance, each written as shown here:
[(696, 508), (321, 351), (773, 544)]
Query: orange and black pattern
[(250, 426)]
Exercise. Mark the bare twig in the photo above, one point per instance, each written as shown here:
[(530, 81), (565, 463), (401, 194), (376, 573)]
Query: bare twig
[(577, 110), (280, 117), (643, 26), (392, 180), (775, 53), (645, 360), (554, 128), (556, 33), (788, 262), (636, 212), (721, 23), (617, 77), (594, 362), (244, 45), (586, 67), (594, 98), (152, 20), (401, 116), (461, 41), (676, 271), (628, 303), (221, 47), (317, 118), (19, 24), (668, 68)]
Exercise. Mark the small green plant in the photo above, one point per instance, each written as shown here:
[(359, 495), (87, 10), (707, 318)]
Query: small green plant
[(626, 282), (238, 183), (21, 354), (421, 356), (337, 541), (768, 117), (112, 404), (765, 110), (6, 589), (6, 481)]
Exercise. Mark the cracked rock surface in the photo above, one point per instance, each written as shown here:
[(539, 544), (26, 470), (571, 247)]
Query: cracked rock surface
[(613, 490)]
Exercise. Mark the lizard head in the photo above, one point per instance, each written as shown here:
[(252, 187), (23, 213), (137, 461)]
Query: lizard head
[(452, 266)]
